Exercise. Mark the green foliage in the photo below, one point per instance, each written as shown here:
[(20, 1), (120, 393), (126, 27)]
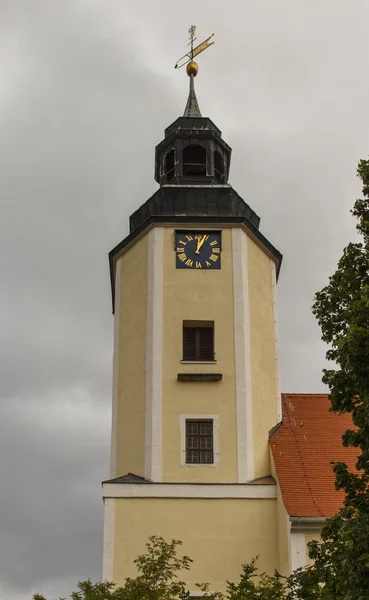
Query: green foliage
[(157, 568), (157, 577), (255, 586), (341, 559), (342, 310)]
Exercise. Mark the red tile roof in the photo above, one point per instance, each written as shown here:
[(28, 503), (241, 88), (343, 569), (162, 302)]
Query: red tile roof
[(303, 448)]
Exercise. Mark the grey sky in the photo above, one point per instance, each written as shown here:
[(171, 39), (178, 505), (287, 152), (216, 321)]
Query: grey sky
[(86, 90)]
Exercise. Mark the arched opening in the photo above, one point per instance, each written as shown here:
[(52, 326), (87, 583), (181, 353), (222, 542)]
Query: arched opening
[(194, 160), (219, 166), (169, 165)]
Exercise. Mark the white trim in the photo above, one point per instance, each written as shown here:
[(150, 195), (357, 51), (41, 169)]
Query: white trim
[(297, 550), (307, 524), (245, 437), (188, 490), (275, 321), (114, 415), (108, 552), (154, 356), (198, 362), (288, 526), (215, 419)]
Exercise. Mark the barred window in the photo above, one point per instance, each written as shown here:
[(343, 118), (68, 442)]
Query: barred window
[(198, 340), (199, 442)]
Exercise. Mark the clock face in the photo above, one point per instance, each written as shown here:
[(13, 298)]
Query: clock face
[(198, 250)]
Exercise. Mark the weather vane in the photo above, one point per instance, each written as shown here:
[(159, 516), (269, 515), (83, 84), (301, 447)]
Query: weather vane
[(187, 59)]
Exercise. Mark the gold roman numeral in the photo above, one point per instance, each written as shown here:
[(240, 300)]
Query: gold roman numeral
[(182, 242), (208, 264), (214, 257), (198, 265), (213, 242), (182, 257), (189, 262), (189, 237), (217, 250), (182, 250)]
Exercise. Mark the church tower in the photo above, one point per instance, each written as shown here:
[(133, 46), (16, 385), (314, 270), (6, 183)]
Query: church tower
[(195, 377)]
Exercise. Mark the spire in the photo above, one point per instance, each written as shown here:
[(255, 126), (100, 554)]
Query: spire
[(192, 107)]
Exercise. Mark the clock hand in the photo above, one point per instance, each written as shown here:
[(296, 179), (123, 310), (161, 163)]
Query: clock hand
[(200, 243)]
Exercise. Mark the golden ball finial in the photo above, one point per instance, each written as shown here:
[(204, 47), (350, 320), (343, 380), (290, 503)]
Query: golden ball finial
[(192, 68)]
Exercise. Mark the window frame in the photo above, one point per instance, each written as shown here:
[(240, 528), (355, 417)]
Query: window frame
[(197, 326), (199, 417), (199, 436)]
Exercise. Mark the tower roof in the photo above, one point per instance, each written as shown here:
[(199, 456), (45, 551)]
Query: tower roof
[(192, 107), (192, 165)]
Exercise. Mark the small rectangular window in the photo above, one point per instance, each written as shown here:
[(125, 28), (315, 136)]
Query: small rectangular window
[(199, 442), (198, 340)]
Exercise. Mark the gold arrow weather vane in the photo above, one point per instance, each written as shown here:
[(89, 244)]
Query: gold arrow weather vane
[(184, 60)]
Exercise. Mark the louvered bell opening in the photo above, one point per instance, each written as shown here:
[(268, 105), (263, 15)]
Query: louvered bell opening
[(198, 343)]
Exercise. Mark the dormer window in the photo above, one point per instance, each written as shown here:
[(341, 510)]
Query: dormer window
[(169, 165), (194, 161), (218, 166)]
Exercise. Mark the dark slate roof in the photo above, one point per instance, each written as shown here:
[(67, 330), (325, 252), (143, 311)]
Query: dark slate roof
[(201, 200), (200, 124), (192, 107), (132, 478), (129, 478)]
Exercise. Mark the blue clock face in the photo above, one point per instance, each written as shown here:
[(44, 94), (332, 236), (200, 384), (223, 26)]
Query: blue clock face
[(198, 250)]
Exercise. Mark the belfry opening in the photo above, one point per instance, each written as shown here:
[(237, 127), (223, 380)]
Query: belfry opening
[(194, 160)]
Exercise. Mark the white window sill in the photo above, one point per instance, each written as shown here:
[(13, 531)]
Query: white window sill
[(198, 362), (200, 465)]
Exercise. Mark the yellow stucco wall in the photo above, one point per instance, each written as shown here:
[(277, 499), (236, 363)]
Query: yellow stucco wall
[(207, 296), (219, 535), (130, 438), (263, 365), (234, 530), (191, 295)]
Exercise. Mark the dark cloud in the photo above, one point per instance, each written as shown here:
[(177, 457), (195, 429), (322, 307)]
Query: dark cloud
[(86, 90)]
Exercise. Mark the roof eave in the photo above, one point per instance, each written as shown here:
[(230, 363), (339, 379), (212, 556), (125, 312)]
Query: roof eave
[(306, 524)]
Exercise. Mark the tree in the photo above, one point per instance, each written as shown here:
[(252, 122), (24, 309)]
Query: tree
[(342, 310), (157, 577), (157, 580), (341, 559), (257, 586)]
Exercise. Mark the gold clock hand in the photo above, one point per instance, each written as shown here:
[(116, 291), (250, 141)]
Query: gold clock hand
[(200, 243)]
